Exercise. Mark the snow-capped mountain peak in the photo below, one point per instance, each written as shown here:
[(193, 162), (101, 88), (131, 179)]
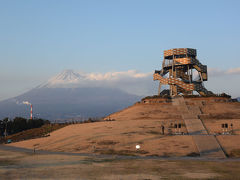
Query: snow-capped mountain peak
[(67, 77), (129, 81)]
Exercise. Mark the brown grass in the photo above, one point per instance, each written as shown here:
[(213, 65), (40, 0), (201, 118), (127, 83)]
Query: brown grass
[(131, 127), (34, 133), (20, 165), (235, 153), (107, 142), (120, 152)]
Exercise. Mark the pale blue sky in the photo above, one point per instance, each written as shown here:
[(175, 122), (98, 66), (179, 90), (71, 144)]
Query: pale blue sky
[(38, 39)]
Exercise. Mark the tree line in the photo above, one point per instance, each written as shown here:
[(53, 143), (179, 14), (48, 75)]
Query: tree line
[(18, 124)]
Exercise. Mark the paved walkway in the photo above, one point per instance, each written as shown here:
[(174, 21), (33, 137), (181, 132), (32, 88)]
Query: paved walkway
[(207, 144)]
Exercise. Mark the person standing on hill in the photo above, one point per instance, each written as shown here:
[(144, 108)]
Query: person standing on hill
[(163, 129)]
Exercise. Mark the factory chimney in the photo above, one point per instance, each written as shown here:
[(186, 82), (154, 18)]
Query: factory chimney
[(31, 114)]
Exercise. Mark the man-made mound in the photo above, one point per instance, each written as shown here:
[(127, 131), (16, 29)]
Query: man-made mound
[(143, 124), (114, 137)]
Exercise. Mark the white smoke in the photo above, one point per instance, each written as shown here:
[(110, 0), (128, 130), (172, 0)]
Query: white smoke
[(24, 102)]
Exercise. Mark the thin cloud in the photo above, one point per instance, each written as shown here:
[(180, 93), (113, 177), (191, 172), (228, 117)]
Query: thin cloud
[(220, 72), (116, 75), (233, 71), (131, 81)]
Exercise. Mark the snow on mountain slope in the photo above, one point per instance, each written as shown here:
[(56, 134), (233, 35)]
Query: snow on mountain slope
[(66, 77), (131, 81), (76, 94)]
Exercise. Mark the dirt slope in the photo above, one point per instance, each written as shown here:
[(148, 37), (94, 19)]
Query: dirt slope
[(141, 124)]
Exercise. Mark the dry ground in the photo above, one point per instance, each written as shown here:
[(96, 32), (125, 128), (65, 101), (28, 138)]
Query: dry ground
[(114, 137), (141, 124), (16, 165)]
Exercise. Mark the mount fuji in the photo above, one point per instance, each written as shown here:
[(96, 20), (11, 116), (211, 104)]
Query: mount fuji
[(72, 95), (65, 79), (128, 81)]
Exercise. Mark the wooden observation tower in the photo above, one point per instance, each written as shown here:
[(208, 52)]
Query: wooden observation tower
[(177, 72)]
